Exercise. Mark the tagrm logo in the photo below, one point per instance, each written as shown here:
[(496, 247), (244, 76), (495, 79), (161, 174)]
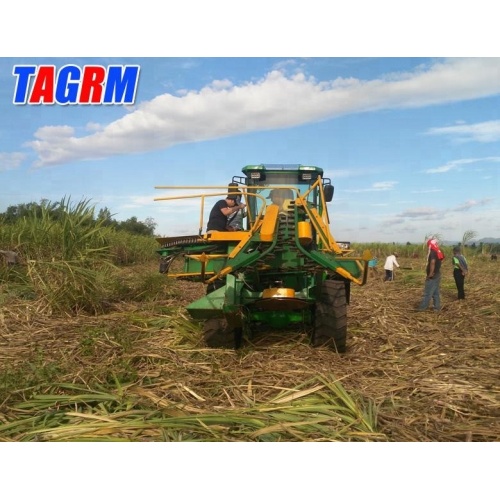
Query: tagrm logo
[(74, 85)]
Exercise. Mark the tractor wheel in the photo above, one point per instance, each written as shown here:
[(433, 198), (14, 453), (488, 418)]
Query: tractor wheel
[(330, 318), (217, 333)]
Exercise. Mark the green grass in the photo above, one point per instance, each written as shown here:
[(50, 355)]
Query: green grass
[(318, 410), (69, 263)]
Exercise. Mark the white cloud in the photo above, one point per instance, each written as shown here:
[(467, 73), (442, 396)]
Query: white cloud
[(383, 186), (425, 191), (276, 101), (376, 186), (432, 213), (471, 204), (456, 164), (421, 212), (478, 132), (11, 161), (93, 127)]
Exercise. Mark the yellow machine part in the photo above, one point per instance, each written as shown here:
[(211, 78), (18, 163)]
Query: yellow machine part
[(282, 293), (280, 299), (269, 223), (304, 230)]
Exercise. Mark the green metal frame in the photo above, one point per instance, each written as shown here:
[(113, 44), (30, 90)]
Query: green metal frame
[(269, 253)]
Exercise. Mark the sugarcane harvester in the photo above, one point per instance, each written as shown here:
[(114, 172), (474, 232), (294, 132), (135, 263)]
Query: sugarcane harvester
[(283, 270)]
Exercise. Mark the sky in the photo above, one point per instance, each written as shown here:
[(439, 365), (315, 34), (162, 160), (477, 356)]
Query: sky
[(410, 143)]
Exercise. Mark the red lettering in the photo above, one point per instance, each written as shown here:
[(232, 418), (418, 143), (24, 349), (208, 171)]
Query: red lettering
[(43, 86), (92, 84)]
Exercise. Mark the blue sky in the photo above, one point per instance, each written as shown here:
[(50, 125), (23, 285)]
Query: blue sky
[(411, 144)]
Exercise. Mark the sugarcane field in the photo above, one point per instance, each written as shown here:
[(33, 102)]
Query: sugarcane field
[(108, 353)]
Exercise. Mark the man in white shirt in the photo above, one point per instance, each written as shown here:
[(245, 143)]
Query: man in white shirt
[(390, 262)]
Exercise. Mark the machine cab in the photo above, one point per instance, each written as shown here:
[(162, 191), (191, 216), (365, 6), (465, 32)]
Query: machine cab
[(268, 184)]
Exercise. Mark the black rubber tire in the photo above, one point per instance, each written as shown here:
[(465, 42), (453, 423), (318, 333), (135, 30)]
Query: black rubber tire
[(330, 317), (217, 333)]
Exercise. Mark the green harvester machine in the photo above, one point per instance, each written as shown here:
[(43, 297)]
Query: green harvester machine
[(284, 270)]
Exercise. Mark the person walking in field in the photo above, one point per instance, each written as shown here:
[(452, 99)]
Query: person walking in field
[(460, 270), (390, 262), (433, 277)]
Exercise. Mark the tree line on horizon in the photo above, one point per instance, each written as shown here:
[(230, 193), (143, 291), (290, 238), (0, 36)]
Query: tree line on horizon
[(132, 225)]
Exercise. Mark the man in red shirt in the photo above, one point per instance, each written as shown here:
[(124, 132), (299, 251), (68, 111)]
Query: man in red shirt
[(433, 277)]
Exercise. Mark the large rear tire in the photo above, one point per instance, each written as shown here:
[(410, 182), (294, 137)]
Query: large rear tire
[(330, 317)]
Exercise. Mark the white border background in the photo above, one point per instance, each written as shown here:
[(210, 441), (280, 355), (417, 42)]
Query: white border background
[(249, 470)]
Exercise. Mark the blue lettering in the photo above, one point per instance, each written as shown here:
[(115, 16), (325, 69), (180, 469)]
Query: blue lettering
[(24, 74), (121, 85), (68, 85)]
